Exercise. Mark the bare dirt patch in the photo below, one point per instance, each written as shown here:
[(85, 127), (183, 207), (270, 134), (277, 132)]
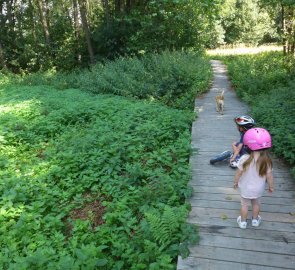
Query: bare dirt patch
[(91, 210)]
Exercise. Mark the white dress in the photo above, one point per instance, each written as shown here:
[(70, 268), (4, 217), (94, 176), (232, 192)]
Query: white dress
[(251, 184)]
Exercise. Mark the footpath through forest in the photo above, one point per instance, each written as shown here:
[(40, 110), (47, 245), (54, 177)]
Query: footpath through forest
[(215, 204)]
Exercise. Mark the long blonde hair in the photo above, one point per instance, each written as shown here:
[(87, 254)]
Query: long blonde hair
[(263, 164)]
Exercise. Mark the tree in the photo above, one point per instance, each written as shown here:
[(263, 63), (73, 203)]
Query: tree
[(2, 59), (245, 21), (83, 13), (44, 21), (42, 34), (285, 15)]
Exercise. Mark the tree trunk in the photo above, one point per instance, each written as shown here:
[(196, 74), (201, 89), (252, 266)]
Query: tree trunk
[(76, 18), (107, 15), (82, 6), (46, 12), (117, 7), (284, 30), (19, 22), (10, 14), (76, 26), (128, 6), (291, 29), (288, 29), (43, 22), (2, 60), (31, 7)]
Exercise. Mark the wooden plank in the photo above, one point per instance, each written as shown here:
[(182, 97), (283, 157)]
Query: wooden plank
[(234, 205), (230, 191), (281, 261), (199, 212), (278, 178), (223, 169), (220, 166), (229, 182), (211, 264), (281, 232), (236, 198), (266, 246)]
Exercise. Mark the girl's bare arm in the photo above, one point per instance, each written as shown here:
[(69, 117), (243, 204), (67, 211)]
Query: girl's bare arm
[(269, 180), (237, 177)]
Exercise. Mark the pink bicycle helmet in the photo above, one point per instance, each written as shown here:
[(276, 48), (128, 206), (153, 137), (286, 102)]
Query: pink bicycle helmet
[(257, 139)]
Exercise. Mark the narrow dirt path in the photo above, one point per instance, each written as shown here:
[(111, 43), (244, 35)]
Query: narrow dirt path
[(215, 204)]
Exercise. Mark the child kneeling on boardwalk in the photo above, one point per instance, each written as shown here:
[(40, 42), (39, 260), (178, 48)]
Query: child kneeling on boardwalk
[(254, 170), (244, 123)]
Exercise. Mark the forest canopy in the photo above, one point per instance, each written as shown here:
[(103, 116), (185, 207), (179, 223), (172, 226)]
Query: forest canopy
[(44, 34)]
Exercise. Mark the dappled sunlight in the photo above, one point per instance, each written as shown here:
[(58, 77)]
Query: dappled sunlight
[(20, 108), (4, 80), (9, 211), (244, 50), (199, 109)]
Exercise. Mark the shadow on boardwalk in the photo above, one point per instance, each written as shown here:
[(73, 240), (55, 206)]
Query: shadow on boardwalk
[(215, 204)]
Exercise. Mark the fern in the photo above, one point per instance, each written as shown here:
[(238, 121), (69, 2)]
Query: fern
[(165, 227)]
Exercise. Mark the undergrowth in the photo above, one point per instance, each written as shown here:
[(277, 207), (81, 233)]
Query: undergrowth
[(132, 156), (266, 81), (94, 164), (173, 78)]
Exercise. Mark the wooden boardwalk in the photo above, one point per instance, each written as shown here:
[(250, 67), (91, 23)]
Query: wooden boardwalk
[(215, 204)]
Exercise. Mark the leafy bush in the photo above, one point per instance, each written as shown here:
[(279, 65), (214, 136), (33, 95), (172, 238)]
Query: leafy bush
[(266, 82), (174, 78), (253, 75), (61, 150), (277, 114)]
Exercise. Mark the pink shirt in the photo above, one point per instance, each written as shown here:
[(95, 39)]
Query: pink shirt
[(251, 184)]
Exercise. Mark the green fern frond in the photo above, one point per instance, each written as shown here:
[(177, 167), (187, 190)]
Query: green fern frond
[(164, 227)]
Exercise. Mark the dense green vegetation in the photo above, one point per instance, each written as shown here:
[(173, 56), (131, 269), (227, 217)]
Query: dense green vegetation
[(266, 81), (41, 35), (96, 181), (171, 78)]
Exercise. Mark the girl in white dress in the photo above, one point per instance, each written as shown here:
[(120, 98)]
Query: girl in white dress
[(254, 170)]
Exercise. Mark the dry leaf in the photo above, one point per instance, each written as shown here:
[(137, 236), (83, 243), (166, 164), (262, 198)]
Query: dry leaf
[(224, 216)]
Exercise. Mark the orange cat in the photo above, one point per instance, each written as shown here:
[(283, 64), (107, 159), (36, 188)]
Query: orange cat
[(220, 102)]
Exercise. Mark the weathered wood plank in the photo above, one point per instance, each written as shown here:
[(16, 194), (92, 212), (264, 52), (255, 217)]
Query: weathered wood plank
[(234, 205), (268, 246), (278, 232), (269, 259), (211, 264), (200, 212), (236, 198), (228, 181), (225, 170), (230, 191)]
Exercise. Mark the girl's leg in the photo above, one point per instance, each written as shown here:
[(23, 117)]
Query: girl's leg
[(244, 208), (255, 207)]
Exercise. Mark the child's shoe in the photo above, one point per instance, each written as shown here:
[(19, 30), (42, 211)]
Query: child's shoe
[(242, 224), (234, 163), (256, 221)]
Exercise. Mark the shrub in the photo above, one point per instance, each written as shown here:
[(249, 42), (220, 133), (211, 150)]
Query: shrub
[(266, 82), (174, 79)]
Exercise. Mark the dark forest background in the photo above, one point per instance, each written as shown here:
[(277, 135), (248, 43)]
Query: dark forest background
[(44, 34)]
